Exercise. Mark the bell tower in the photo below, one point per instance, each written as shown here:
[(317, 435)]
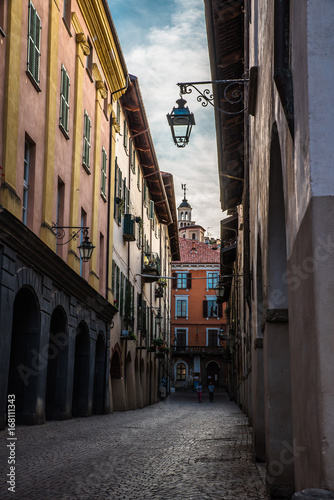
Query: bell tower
[(184, 211)]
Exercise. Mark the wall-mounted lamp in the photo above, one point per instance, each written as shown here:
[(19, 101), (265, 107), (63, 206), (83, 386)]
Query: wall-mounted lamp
[(233, 93), (181, 122), (85, 249)]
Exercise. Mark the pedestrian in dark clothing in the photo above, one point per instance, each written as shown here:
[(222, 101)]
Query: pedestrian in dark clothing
[(211, 389), (199, 392)]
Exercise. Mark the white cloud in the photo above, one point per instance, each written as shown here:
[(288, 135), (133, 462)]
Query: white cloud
[(165, 55)]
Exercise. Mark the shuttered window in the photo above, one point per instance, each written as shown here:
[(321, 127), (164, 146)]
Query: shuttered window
[(64, 101), (211, 309), (126, 136), (86, 141), (104, 173), (34, 43), (151, 210), (126, 198)]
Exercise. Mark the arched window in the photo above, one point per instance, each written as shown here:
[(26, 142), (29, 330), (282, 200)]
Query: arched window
[(181, 372), (193, 236)]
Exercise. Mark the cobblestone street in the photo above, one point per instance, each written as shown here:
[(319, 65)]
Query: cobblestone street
[(177, 449)]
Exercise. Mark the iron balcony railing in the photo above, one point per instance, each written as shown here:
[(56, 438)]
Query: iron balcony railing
[(196, 349)]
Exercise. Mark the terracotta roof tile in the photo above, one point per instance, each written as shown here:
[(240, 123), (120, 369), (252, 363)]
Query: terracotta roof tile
[(195, 252)]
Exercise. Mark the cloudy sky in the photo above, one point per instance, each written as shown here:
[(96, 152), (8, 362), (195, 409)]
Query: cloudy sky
[(165, 42)]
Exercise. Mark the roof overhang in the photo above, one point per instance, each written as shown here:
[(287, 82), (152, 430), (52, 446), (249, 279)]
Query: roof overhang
[(133, 106), (225, 30)]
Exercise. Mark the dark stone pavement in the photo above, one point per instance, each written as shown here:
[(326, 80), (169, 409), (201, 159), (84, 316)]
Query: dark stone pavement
[(178, 449)]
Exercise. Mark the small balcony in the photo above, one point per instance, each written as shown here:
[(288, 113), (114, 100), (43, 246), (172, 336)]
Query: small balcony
[(151, 267)]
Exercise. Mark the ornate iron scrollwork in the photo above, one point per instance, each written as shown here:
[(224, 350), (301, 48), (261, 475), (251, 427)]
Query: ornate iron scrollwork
[(231, 94)]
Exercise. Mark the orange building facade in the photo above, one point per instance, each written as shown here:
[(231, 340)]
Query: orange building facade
[(197, 319)]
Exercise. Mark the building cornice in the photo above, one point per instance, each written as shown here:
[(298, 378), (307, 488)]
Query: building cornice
[(103, 34)]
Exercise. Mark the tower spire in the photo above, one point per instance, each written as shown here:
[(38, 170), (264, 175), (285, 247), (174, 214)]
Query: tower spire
[(183, 186)]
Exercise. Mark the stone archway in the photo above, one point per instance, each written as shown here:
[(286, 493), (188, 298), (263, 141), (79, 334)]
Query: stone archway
[(57, 374), (99, 376), (212, 373), (276, 336), (24, 368), (130, 383), (117, 386), (80, 401)]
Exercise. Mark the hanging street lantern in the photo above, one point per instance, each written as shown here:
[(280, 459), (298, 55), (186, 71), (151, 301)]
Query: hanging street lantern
[(181, 121), (219, 291), (86, 248)]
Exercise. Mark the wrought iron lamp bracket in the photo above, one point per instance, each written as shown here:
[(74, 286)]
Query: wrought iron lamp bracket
[(60, 232), (231, 95)]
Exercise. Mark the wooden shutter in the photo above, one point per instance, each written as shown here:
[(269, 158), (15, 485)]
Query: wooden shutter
[(104, 173), (121, 301), (188, 280), (174, 280), (126, 134), (151, 212), (205, 308), (220, 310), (113, 267), (34, 41)]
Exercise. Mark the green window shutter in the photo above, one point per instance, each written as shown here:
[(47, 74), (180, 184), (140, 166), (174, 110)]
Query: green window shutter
[(116, 189), (104, 173), (138, 178), (34, 42), (151, 212), (125, 136), (113, 270), (126, 199), (121, 301), (64, 100), (120, 186), (87, 145), (145, 193), (117, 274)]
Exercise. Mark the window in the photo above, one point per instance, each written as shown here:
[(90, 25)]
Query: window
[(64, 101), (138, 178), (104, 174), (181, 307), (119, 202), (212, 337), (181, 280), (180, 337), (132, 156), (211, 309), (145, 195), (34, 42), (126, 197), (151, 210), (27, 159), (89, 60), (126, 136), (67, 13), (86, 141), (106, 103), (212, 280), (181, 372)]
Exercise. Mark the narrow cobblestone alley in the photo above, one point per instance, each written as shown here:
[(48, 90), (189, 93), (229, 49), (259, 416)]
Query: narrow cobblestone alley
[(177, 449)]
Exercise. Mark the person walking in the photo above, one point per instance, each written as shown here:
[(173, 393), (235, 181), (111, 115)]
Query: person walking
[(199, 392), (211, 389)]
